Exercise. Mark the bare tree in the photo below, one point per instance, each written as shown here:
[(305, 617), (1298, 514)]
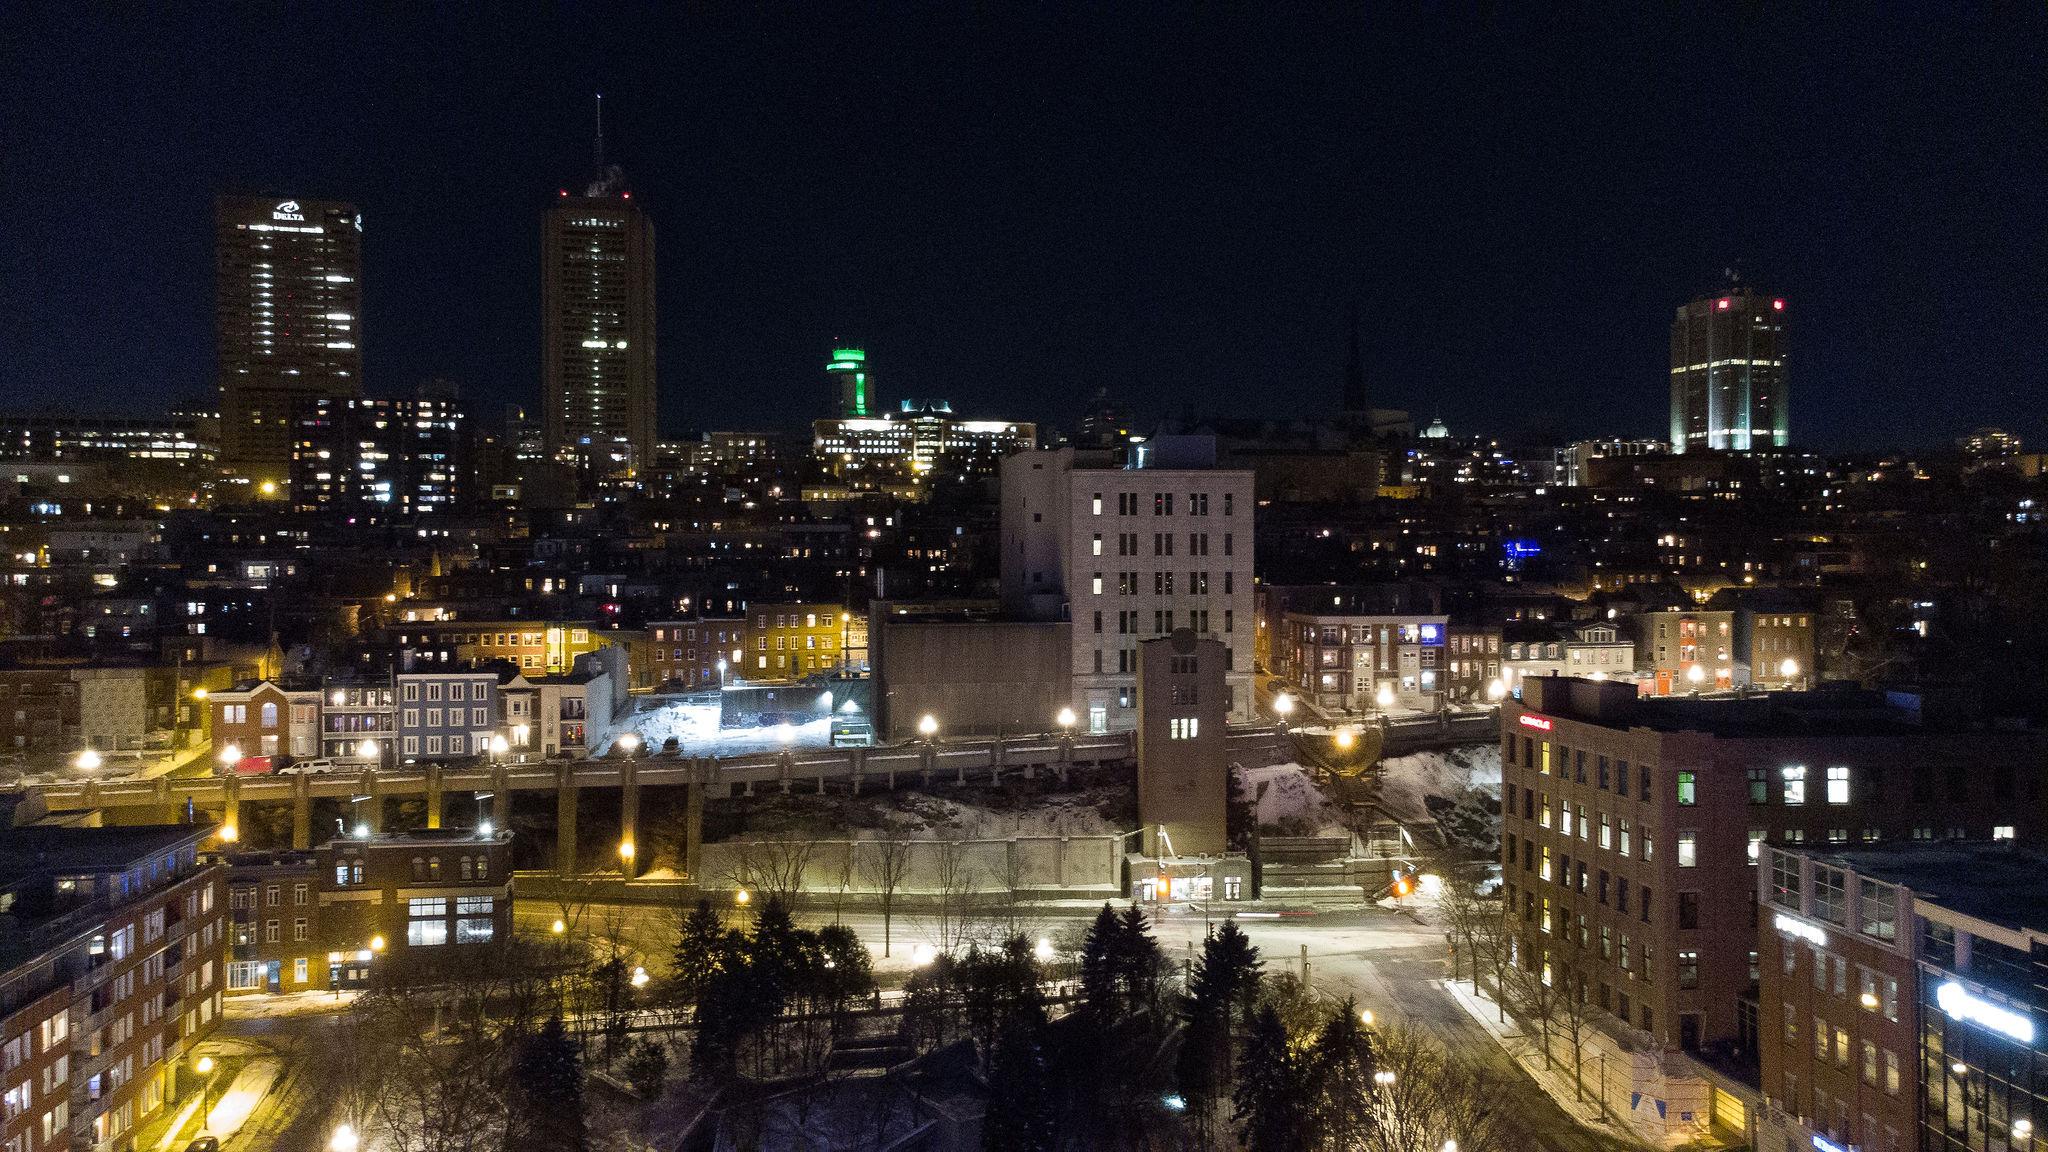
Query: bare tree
[(770, 867), (845, 872), (1538, 999), (1423, 1098), (1462, 911), (1575, 1023), (1494, 947), (958, 883), (883, 867)]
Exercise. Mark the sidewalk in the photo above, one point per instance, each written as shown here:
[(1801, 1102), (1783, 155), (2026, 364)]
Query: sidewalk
[(1527, 1052)]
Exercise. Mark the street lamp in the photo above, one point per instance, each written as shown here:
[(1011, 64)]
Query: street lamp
[(199, 694), (1496, 690), (1695, 675), (742, 896), (1788, 669), (368, 750), (630, 743), (229, 833), (626, 851), (639, 978), (1365, 1017), (500, 745), (1065, 720), (1043, 951), (343, 1140), (1283, 707), (483, 825), (559, 926), (204, 1066), (928, 726), (1345, 739), (1383, 1078), (229, 755), (1385, 697), (88, 760), (377, 943)]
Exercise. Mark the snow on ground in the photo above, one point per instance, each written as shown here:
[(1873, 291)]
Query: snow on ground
[(1069, 814), (696, 731), (1457, 788), (1289, 800)]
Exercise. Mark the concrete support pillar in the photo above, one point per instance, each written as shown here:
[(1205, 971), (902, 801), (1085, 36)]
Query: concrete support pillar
[(693, 830), (629, 820), (565, 822), (501, 800), (231, 802), (433, 795), (302, 812), (785, 764)]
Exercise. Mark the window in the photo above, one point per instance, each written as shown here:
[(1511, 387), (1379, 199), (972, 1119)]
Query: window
[(1878, 909), (1756, 846), (1688, 909), (271, 929), (473, 923), (1791, 1023), (299, 970), (1183, 728), (1688, 789), (1688, 849), (1891, 1073), (1759, 786), (1838, 784), (1688, 969), (1795, 785), (1785, 881), (1606, 832), (299, 895), (299, 929), (427, 924), (1830, 900)]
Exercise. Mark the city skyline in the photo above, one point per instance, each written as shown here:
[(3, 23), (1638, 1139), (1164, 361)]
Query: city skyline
[(935, 210)]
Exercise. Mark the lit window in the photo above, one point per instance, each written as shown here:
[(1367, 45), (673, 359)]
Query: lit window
[(1838, 784), (1795, 785), (1688, 850)]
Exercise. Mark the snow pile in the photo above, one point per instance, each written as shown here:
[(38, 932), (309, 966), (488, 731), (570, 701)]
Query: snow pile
[(1290, 803), (1074, 814), (1457, 789), (696, 732)]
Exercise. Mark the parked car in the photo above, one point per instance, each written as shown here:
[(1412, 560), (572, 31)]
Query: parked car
[(320, 764), (204, 1144)]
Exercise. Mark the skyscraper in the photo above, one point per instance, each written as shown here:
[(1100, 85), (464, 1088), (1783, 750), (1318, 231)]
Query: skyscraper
[(848, 372), (288, 308), (1728, 375), (597, 321)]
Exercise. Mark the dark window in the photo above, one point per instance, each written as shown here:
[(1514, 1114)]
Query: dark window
[(1603, 886), (1601, 775), (1923, 782), (1645, 903), (1621, 893), (1688, 909), (1759, 786), (1643, 784), (1621, 777), (1958, 784), (1579, 765), (2004, 778)]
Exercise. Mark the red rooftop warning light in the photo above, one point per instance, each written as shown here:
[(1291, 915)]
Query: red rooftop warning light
[(1778, 305), (1722, 304)]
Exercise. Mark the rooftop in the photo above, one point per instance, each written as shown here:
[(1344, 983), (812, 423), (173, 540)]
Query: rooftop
[(26, 852), (1827, 711), (1996, 883)]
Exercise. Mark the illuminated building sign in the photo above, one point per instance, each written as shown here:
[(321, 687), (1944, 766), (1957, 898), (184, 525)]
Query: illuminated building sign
[(1801, 929), (1961, 1005), (1537, 722), (1432, 636), (289, 210)]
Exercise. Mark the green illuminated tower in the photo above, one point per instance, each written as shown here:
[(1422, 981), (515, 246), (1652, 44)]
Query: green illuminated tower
[(848, 371)]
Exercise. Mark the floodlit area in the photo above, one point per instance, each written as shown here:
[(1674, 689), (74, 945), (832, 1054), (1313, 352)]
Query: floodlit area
[(695, 728)]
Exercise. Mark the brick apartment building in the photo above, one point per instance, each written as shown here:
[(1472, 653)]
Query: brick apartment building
[(1902, 998), (264, 718), (112, 943), (696, 653), (1630, 826), (323, 919)]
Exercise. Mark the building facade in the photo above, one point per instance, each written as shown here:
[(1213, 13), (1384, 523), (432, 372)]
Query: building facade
[(264, 718), (848, 373), (1729, 387), (791, 641), (324, 919), (376, 458), (597, 330), (1183, 758), (1689, 650), (446, 715), (1345, 662), (696, 653), (1124, 553), (114, 948), (1631, 825), (288, 309)]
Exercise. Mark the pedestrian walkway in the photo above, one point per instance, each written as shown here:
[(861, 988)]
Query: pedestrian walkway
[(1527, 1052)]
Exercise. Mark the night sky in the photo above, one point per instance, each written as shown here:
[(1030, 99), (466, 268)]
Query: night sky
[(1011, 205)]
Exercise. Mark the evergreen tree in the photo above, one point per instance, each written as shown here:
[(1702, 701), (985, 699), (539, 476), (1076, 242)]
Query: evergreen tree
[(544, 1098), (1274, 1109), (1221, 995), (702, 947), (647, 1068), (1100, 998), (1139, 961), (1341, 1067), (1020, 1107)]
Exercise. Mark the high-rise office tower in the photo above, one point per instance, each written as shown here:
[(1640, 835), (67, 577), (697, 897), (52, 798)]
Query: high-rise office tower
[(288, 308), (597, 326), (848, 372), (1728, 374)]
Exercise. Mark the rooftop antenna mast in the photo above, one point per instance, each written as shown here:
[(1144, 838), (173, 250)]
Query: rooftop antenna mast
[(597, 146)]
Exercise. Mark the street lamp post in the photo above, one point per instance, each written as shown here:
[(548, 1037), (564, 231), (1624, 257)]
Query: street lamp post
[(1385, 699), (484, 827), (1283, 707), (204, 1066), (928, 727)]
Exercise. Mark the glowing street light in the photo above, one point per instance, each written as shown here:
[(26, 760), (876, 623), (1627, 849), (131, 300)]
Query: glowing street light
[(742, 896), (1283, 705), (626, 851), (1696, 675), (1788, 669), (923, 954), (1385, 697), (199, 693), (1496, 689), (368, 750), (1043, 951), (88, 760), (928, 726), (630, 743), (639, 978), (1346, 738), (229, 755), (343, 1140), (1383, 1078), (229, 833), (377, 943), (1365, 1017), (500, 745), (204, 1066), (1065, 719), (558, 927)]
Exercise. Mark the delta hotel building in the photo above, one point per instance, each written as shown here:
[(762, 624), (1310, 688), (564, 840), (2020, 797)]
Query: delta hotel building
[(1632, 827)]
